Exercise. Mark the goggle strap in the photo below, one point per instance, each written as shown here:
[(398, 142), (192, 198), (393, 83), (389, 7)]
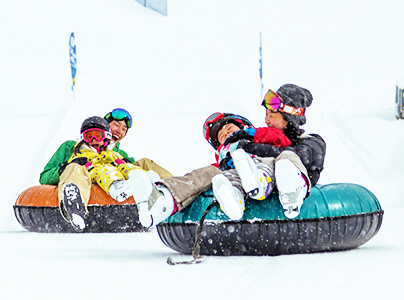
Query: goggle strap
[(287, 109), (291, 110), (107, 135)]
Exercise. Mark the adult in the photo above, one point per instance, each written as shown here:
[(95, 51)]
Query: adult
[(310, 148), (59, 172)]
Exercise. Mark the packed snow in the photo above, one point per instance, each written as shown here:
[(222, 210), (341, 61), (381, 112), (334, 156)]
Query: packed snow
[(171, 72)]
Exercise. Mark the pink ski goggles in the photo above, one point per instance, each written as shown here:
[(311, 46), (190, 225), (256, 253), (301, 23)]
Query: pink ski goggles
[(97, 134), (275, 103)]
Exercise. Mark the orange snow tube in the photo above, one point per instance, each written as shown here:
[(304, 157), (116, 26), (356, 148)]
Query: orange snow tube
[(37, 209)]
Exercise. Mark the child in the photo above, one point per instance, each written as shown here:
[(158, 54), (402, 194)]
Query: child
[(105, 166), (243, 174)]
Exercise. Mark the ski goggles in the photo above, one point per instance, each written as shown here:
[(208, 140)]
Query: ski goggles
[(274, 102), (94, 133), (216, 120), (212, 119), (120, 114)]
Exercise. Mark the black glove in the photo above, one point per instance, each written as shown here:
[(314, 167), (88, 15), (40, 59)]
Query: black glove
[(226, 163), (78, 160), (245, 144), (62, 168), (247, 134)]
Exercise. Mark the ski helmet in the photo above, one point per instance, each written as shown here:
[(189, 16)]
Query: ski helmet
[(216, 121), (96, 128), (94, 122)]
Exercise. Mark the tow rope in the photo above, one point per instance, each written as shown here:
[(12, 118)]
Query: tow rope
[(197, 258)]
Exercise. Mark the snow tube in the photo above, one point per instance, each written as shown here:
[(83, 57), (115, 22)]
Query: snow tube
[(37, 210), (335, 217)]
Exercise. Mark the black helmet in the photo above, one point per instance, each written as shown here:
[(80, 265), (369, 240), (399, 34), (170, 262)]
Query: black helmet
[(216, 121), (94, 122)]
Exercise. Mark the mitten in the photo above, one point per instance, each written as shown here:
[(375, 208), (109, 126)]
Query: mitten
[(80, 160), (62, 168), (245, 134), (226, 163)]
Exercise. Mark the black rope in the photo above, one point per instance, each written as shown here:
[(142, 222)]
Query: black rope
[(197, 258), (197, 247)]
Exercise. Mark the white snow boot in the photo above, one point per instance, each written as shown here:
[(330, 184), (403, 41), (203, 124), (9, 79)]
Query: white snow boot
[(120, 190), (230, 198), (292, 187), (255, 181), (154, 204)]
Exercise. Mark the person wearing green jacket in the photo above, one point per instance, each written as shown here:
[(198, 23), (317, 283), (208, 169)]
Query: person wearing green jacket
[(75, 176), (50, 174)]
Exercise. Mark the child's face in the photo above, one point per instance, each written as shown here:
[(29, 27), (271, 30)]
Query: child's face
[(96, 144), (225, 131), (275, 119)]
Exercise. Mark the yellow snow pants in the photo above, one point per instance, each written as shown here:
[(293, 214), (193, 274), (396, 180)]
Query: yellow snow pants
[(104, 175), (78, 175)]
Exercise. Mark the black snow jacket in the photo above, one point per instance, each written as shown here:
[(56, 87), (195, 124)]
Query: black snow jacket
[(309, 147)]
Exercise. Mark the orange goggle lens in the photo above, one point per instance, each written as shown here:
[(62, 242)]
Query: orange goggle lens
[(98, 134)]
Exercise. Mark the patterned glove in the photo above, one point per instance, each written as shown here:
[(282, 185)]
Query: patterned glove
[(245, 134), (82, 161)]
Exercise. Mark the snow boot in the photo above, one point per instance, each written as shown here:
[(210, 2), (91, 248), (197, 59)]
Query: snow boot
[(230, 198), (72, 207), (292, 187), (120, 190), (256, 182), (154, 204)]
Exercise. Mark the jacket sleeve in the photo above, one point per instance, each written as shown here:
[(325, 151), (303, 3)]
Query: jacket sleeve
[(123, 153), (50, 174), (273, 136), (311, 149), (262, 150)]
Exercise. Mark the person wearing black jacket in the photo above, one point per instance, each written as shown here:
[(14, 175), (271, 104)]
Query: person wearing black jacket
[(285, 110)]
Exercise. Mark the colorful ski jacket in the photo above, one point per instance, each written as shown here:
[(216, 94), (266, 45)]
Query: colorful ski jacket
[(263, 135), (50, 174), (108, 156)]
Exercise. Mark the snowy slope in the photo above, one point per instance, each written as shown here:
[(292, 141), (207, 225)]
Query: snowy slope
[(171, 73)]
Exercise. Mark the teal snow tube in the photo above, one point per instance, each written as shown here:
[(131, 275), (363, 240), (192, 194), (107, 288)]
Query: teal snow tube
[(335, 217)]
